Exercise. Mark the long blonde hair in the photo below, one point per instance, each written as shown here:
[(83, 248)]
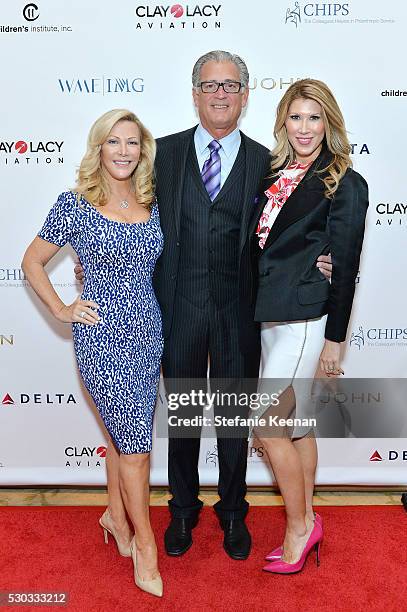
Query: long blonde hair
[(91, 180), (335, 133)]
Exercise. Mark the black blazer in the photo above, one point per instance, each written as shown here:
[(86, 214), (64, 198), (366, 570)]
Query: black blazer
[(170, 167), (289, 286)]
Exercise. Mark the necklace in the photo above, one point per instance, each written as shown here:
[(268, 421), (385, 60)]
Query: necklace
[(124, 203)]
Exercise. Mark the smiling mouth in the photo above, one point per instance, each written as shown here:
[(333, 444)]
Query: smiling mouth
[(121, 162), (304, 141), (220, 106)]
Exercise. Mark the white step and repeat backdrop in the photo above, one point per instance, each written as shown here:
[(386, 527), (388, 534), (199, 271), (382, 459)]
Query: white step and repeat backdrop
[(67, 62)]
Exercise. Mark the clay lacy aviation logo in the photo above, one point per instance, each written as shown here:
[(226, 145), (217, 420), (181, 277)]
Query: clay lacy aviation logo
[(391, 215), (178, 16), (392, 455), (40, 398), (84, 456), (378, 336), (21, 152)]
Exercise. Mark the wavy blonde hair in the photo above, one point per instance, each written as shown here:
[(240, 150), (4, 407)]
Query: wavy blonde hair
[(92, 182), (335, 133)]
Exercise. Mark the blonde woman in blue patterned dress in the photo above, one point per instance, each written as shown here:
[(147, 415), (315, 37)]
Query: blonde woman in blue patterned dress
[(111, 220)]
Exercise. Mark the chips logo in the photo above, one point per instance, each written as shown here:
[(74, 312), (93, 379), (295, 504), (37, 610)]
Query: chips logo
[(212, 456), (378, 336)]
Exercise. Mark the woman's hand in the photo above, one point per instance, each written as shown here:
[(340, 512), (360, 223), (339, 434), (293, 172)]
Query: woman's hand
[(330, 358), (81, 311)]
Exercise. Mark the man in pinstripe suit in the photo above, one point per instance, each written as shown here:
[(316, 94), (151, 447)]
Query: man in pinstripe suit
[(201, 282)]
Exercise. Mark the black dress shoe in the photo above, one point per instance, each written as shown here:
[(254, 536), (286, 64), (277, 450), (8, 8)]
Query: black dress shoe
[(178, 536), (237, 540)]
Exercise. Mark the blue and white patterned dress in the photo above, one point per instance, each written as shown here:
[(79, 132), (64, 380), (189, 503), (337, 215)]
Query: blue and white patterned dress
[(119, 357)]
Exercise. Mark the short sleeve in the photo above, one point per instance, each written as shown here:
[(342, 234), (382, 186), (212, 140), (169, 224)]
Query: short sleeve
[(60, 222)]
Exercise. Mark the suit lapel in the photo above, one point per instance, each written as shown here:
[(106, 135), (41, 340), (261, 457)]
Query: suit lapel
[(253, 167), (181, 151), (301, 202)]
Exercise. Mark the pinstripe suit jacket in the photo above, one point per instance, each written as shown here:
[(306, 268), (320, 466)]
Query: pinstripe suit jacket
[(172, 153)]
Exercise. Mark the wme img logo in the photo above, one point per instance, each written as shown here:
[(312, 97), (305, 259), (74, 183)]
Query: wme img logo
[(101, 85)]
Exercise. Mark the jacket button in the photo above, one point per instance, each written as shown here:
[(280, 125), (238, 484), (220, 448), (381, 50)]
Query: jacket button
[(178, 244), (172, 276)]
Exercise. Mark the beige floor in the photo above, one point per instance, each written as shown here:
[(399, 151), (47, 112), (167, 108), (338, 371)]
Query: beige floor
[(97, 497)]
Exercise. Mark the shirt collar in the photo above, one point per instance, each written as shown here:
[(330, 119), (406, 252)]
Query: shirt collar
[(229, 143)]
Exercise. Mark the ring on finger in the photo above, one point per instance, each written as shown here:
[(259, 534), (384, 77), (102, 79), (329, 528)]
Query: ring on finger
[(83, 313)]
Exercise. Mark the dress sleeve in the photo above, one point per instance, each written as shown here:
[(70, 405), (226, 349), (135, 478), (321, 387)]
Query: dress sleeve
[(60, 222)]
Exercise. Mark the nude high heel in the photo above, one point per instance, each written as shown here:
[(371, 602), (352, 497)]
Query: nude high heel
[(154, 586), (124, 549)]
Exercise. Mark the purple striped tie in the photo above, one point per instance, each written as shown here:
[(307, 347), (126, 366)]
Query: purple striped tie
[(211, 170)]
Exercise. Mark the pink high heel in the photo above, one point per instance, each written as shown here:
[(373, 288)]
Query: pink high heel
[(277, 553), (282, 567)]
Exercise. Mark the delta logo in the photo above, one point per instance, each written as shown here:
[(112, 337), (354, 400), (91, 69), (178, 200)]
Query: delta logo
[(40, 398), (392, 455), (29, 152), (178, 16), (85, 456)]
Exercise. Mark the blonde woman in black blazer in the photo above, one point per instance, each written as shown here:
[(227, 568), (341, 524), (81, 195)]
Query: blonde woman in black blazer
[(312, 203)]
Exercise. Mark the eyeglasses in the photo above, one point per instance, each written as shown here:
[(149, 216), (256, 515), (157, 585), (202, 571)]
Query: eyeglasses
[(232, 87)]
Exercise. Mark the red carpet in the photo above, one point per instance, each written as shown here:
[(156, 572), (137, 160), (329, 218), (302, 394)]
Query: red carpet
[(363, 563)]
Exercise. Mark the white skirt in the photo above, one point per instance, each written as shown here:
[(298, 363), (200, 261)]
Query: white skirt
[(290, 353)]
